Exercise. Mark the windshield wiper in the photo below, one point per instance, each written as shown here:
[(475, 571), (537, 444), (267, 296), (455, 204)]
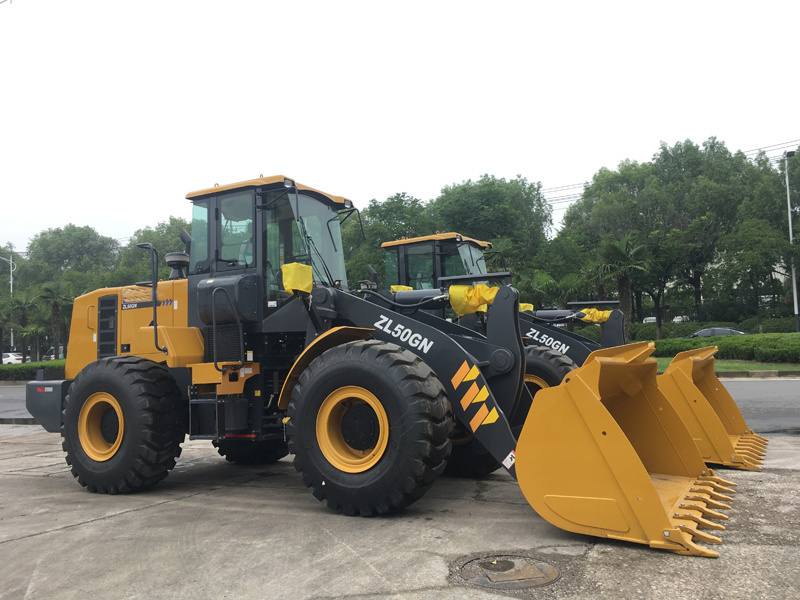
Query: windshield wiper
[(313, 246)]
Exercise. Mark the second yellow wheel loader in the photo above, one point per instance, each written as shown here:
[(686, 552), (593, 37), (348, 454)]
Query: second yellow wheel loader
[(689, 383), (256, 344)]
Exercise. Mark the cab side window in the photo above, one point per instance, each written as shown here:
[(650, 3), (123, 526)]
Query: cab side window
[(236, 232), (420, 266)]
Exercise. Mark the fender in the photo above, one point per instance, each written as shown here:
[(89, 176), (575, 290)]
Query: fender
[(330, 339)]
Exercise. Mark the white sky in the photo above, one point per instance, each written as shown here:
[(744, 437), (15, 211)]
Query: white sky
[(110, 111)]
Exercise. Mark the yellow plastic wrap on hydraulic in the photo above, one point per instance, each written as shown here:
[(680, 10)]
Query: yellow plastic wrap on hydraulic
[(297, 277), (401, 288), (605, 454), (466, 299), (592, 315), (525, 307)]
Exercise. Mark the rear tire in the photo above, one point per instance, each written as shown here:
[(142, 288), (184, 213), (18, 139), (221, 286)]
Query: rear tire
[(122, 425), (369, 425), (243, 452)]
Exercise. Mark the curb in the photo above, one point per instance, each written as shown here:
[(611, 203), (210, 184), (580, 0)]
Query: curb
[(18, 421), (756, 374)]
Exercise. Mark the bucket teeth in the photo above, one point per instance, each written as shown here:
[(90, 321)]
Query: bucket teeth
[(755, 449), (680, 540), (717, 487), (694, 516), (700, 536), (704, 510), (708, 501), (750, 458), (745, 441), (713, 478), (757, 438), (712, 493)]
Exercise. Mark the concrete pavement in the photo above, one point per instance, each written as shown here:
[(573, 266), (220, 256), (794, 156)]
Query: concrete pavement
[(215, 530)]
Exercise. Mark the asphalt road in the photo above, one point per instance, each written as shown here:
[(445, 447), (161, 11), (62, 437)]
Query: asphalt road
[(768, 405), (215, 530)]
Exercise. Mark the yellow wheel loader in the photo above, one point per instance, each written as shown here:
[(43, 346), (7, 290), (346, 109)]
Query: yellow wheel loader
[(256, 343), (689, 383)]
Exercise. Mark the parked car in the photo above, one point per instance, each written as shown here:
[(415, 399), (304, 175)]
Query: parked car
[(12, 358), (50, 354), (649, 320), (681, 319), (712, 331)]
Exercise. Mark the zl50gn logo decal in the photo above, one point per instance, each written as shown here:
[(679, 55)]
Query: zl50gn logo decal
[(404, 334), (545, 340), (132, 305)]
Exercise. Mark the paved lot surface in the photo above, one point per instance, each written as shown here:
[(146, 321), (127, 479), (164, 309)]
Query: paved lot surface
[(214, 530)]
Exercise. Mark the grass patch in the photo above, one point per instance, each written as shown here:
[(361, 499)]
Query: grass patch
[(736, 365)]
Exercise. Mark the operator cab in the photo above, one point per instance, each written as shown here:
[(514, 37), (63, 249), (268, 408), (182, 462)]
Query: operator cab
[(244, 233), (424, 262)]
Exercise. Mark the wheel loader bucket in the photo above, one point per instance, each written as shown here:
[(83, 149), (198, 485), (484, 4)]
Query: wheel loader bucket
[(711, 415), (605, 454)]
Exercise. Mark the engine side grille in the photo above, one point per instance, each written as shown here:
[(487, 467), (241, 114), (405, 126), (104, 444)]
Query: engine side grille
[(107, 326), (227, 343)]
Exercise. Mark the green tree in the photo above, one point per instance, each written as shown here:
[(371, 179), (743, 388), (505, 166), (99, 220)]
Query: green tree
[(750, 256), (697, 191), (56, 296), (5, 321), (399, 216), (71, 248), (667, 254), (610, 205), (134, 263), (618, 260), (491, 208), (23, 307), (32, 335)]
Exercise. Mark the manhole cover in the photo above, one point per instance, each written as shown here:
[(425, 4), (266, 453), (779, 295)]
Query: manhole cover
[(508, 572)]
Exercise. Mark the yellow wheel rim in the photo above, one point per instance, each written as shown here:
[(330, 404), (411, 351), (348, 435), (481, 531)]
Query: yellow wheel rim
[(535, 383), (95, 426), (329, 430)]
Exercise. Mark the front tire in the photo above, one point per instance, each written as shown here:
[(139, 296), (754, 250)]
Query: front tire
[(369, 426), (122, 425)]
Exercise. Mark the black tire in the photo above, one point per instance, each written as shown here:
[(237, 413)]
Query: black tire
[(543, 368), (244, 452), (369, 427), (122, 425), (469, 459)]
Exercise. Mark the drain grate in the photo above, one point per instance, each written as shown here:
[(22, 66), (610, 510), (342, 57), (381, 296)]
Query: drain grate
[(508, 572)]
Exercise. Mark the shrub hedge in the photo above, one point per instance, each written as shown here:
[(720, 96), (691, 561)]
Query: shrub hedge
[(54, 369), (765, 347), (779, 344)]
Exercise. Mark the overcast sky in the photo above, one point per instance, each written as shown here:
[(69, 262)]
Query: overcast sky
[(112, 111)]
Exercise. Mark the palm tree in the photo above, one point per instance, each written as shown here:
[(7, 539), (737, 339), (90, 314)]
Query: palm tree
[(31, 334), (56, 295), (5, 321), (617, 261), (23, 305)]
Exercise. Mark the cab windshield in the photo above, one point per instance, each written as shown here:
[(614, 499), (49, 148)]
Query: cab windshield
[(299, 228), (464, 259)]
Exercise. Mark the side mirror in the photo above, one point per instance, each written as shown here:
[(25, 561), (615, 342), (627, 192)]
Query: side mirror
[(373, 275), (187, 240)]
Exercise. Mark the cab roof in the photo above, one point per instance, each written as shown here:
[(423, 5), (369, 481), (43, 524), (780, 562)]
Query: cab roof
[(265, 181), (457, 237)]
